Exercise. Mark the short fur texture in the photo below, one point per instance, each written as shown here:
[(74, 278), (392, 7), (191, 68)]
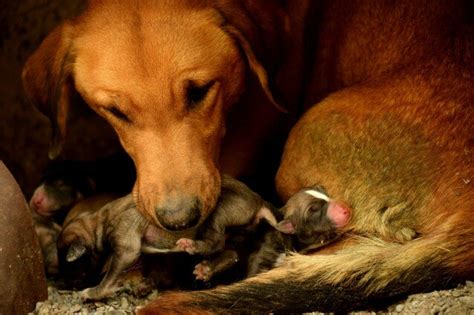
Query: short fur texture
[(388, 88)]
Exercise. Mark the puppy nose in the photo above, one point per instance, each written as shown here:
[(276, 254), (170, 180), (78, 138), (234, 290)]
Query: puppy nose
[(38, 201), (177, 216)]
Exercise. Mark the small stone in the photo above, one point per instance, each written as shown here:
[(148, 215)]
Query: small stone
[(467, 300), (75, 308), (456, 293), (435, 310), (124, 303), (399, 308)]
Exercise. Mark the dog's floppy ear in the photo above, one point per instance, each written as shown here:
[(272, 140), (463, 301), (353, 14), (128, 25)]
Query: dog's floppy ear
[(46, 80), (76, 250), (255, 65)]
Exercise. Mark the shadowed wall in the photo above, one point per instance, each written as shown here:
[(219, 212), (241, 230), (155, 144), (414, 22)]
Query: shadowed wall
[(24, 131)]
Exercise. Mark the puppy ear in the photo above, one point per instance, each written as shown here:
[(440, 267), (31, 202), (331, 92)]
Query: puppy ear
[(286, 227), (46, 82), (255, 65), (76, 250)]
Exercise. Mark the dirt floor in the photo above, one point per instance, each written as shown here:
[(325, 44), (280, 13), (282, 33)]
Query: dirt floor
[(455, 301)]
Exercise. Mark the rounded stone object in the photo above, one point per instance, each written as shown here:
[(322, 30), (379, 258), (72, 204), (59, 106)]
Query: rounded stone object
[(22, 278)]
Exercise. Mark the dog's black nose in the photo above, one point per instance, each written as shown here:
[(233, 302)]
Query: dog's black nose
[(180, 214)]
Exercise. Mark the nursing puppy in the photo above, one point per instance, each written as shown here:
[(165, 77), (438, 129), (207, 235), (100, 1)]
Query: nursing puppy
[(238, 206), (67, 183), (311, 220), (48, 230), (120, 226)]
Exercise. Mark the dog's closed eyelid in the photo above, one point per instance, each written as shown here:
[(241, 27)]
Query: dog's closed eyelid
[(115, 111), (196, 93)]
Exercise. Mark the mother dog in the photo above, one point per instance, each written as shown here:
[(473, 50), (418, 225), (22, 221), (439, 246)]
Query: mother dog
[(391, 133)]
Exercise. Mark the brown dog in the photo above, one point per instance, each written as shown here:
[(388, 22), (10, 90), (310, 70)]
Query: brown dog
[(395, 140)]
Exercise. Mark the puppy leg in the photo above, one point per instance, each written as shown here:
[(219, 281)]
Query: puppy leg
[(120, 261), (208, 268)]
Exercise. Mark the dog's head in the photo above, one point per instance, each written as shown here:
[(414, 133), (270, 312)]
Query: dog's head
[(163, 74)]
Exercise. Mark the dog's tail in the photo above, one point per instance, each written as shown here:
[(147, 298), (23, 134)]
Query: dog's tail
[(358, 276)]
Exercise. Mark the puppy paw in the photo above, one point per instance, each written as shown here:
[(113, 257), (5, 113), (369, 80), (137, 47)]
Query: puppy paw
[(280, 261), (95, 294), (186, 245), (203, 271)]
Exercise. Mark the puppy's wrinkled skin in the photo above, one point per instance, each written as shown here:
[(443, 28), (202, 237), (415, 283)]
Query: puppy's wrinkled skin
[(238, 206), (120, 226)]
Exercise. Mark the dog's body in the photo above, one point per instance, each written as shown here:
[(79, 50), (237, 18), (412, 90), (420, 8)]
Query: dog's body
[(394, 141)]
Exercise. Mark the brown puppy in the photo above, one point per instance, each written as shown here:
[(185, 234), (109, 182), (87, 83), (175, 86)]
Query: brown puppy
[(394, 141), (64, 184), (122, 227), (311, 220), (48, 230), (117, 225), (238, 206)]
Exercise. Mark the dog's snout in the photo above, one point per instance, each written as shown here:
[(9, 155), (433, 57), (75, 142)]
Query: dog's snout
[(178, 216)]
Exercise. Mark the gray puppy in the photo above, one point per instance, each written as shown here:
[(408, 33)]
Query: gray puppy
[(128, 233), (311, 220)]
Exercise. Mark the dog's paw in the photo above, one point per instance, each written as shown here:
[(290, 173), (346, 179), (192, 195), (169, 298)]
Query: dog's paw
[(186, 245), (203, 271)]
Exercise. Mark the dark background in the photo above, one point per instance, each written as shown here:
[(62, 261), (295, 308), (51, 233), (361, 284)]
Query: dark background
[(24, 131)]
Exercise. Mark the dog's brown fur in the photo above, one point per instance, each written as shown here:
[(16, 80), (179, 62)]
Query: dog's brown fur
[(395, 140)]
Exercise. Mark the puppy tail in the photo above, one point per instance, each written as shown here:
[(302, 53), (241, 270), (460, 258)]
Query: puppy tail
[(357, 276)]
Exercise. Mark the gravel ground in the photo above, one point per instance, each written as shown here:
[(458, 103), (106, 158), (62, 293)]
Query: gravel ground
[(456, 301), (69, 302)]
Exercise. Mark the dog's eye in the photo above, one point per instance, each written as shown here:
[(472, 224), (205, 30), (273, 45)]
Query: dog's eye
[(195, 93), (118, 113)]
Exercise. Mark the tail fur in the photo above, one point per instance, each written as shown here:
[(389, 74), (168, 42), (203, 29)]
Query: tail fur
[(353, 278)]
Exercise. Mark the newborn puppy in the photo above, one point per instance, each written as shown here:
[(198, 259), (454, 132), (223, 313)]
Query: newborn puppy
[(128, 233), (119, 227), (238, 207), (48, 230), (311, 220), (66, 183)]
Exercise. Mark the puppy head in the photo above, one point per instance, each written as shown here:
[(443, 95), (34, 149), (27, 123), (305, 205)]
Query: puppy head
[(314, 215), (78, 259)]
